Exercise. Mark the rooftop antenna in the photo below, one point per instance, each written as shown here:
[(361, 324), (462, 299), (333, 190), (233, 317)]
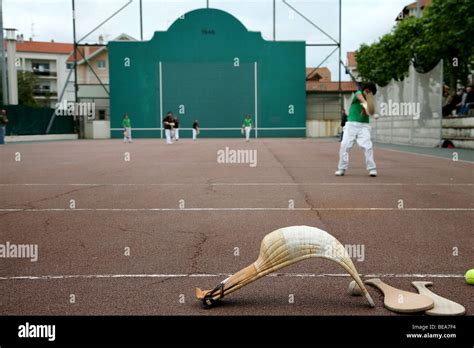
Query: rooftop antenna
[(32, 36)]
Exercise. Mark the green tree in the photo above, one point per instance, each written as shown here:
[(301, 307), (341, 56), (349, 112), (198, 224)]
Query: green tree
[(26, 85), (444, 32), (390, 57), (450, 28), (370, 64)]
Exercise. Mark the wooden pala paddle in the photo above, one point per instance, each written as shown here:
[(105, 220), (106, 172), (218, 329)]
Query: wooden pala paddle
[(282, 248), (401, 301), (442, 306), (370, 104)]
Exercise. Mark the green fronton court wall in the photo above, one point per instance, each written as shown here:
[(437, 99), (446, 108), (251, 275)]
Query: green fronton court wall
[(208, 67)]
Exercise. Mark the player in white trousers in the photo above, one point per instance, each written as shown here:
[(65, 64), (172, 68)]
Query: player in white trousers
[(176, 128), (195, 129), (127, 127), (168, 123), (357, 129), (247, 126)]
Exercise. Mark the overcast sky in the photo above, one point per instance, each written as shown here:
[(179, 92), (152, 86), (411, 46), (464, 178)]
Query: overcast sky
[(363, 21)]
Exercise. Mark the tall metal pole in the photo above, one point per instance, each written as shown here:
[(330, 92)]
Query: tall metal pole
[(207, 3), (413, 122), (340, 53), (2, 50), (141, 21), (76, 99), (11, 67), (274, 20)]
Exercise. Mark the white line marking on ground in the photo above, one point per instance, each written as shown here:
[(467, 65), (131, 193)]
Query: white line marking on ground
[(254, 184), (227, 209), (425, 155), (207, 275), (416, 275)]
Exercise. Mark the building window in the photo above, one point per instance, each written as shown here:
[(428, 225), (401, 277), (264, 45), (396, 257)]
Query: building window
[(101, 64), (42, 89), (69, 66), (41, 68), (101, 115)]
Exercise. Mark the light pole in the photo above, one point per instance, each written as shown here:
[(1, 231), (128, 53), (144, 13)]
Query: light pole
[(3, 62), (11, 68)]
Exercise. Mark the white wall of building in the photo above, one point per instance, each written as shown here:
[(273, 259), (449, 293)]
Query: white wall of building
[(57, 64)]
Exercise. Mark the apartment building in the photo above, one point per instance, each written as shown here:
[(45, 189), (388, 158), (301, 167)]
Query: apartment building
[(49, 62)]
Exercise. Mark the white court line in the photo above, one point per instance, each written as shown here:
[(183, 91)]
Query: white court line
[(425, 155), (249, 184), (229, 209), (416, 275), (207, 275)]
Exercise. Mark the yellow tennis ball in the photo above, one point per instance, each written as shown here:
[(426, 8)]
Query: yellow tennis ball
[(354, 289), (469, 276)]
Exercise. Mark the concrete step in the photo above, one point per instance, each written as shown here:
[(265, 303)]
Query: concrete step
[(457, 132), (458, 122)]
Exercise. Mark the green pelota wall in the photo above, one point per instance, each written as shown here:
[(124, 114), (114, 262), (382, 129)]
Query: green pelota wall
[(206, 64)]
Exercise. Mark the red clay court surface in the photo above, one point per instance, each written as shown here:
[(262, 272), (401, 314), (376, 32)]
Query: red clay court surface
[(135, 204)]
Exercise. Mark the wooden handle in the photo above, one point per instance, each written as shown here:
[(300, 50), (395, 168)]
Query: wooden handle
[(421, 286), (235, 282), (377, 283)]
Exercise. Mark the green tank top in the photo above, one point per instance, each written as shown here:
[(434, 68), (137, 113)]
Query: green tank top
[(248, 122), (357, 112)]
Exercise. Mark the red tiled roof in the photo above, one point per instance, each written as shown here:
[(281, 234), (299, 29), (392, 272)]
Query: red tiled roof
[(55, 47), (351, 59), (423, 3), (323, 74), (404, 12), (315, 86), (44, 47), (82, 49)]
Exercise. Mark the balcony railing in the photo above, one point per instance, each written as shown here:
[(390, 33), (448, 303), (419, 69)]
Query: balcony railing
[(45, 72), (41, 92)]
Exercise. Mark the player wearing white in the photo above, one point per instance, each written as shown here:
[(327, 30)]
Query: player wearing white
[(195, 129), (127, 126), (168, 123), (357, 129), (176, 128), (247, 126)]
